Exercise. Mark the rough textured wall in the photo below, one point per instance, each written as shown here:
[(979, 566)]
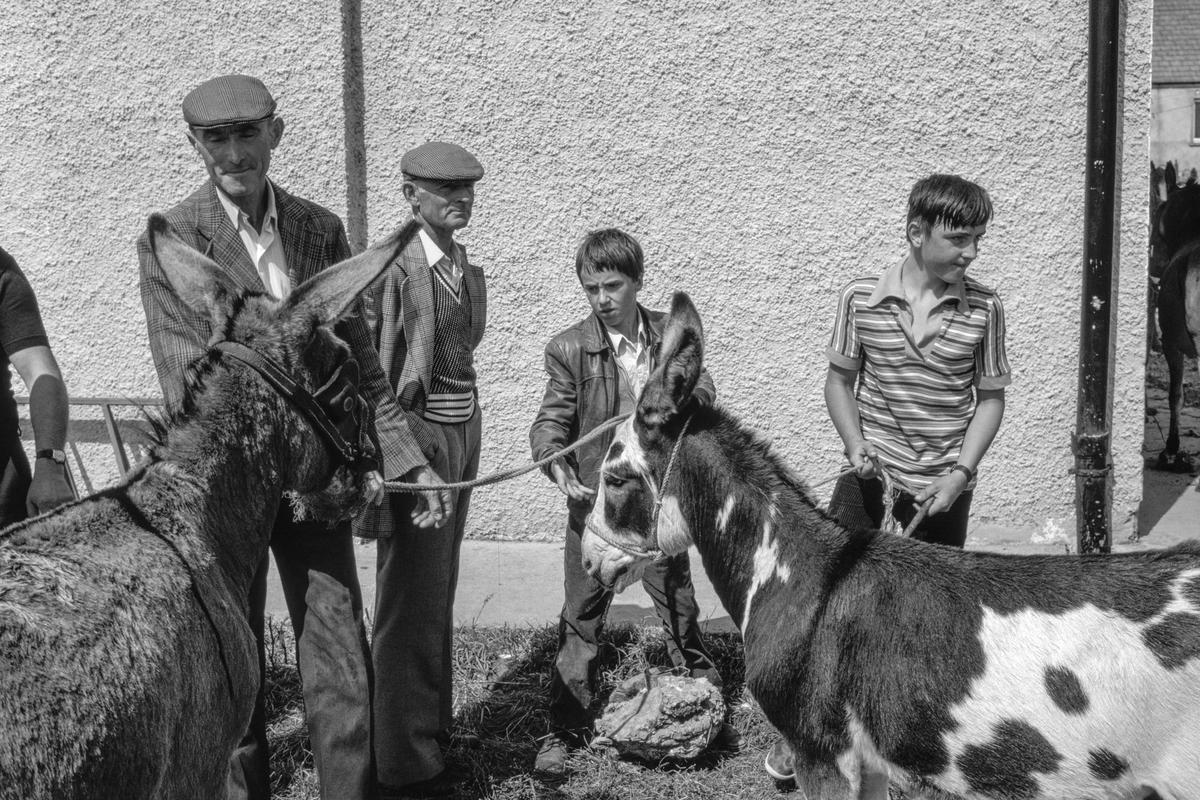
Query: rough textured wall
[(94, 142), (762, 153), (1173, 112)]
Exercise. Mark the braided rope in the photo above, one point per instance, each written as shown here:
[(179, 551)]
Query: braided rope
[(506, 474)]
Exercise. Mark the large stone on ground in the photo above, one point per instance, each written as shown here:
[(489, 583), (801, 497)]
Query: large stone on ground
[(661, 716)]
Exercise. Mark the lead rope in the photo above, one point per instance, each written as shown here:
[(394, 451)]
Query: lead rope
[(889, 500), (506, 474)]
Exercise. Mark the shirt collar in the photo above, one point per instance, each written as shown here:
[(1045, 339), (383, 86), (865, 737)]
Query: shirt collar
[(617, 338), (433, 253), (890, 286), (237, 216)]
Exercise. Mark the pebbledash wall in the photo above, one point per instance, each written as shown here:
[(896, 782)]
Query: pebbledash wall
[(761, 151)]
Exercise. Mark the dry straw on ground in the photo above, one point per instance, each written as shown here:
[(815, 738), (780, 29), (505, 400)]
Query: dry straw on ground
[(501, 683)]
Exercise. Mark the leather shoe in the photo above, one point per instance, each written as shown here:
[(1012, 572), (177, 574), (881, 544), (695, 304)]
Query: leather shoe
[(780, 763), (551, 761), (444, 784)]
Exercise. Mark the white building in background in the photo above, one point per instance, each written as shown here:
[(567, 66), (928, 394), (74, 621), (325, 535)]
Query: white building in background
[(760, 151), (1175, 92)]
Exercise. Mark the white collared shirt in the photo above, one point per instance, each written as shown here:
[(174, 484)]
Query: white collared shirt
[(265, 248), (633, 357), (433, 254)]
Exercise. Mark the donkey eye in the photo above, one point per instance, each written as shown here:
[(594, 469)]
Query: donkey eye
[(615, 481)]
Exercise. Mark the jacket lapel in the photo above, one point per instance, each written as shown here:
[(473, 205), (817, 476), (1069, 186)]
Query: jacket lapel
[(303, 247), (477, 291), (416, 297), (224, 245)]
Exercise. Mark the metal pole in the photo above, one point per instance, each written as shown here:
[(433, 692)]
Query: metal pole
[(1092, 441), (354, 107)]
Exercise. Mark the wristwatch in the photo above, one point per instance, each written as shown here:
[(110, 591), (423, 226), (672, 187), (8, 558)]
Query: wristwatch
[(965, 470), (54, 455)]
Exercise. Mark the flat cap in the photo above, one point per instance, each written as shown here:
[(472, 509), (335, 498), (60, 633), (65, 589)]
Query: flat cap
[(440, 161), (227, 100)]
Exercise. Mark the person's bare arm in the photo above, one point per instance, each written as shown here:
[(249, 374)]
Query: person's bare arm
[(48, 413), (843, 411)]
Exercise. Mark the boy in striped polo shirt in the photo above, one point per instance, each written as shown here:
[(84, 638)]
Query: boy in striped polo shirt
[(916, 378), (924, 345)]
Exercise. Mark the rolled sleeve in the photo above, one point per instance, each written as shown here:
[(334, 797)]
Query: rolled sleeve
[(844, 348), (991, 360)]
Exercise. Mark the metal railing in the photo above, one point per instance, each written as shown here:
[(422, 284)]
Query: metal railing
[(111, 426)]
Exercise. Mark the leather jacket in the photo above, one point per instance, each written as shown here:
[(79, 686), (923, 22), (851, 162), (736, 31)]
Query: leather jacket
[(583, 391)]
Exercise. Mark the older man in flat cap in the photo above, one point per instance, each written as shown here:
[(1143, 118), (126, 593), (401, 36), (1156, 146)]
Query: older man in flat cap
[(269, 241), (429, 313)]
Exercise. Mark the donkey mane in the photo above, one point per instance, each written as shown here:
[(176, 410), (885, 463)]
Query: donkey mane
[(753, 456)]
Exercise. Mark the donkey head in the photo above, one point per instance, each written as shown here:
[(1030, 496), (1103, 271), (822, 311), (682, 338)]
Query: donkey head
[(291, 346), (637, 515), (1179, 218)]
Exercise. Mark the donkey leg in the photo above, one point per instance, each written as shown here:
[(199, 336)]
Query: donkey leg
[(816, 781), (1174, 396), (874, 786)]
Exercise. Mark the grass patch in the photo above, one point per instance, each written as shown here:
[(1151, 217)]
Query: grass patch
[(501, 687)]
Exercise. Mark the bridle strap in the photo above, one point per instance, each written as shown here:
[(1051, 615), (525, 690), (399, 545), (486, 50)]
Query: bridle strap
[(662, 485), (296, 394), (628, 549)]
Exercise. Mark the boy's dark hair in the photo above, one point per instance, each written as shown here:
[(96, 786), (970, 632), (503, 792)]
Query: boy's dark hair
[(949, 200), (609, 249)]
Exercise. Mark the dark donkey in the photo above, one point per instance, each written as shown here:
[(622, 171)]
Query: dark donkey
[(127, 666), (1178, 295), (883, 658)]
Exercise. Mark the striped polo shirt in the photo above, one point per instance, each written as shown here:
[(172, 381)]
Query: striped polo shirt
[(915, 401)]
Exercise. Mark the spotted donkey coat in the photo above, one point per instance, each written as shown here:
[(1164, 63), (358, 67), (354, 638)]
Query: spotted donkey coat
[(127, 667), (951, 673)]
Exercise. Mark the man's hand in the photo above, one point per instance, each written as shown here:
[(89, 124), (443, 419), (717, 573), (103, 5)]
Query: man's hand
[(373, 488), (864, 459), (50, 487), (433, 507), (568, 481), (944, 491)]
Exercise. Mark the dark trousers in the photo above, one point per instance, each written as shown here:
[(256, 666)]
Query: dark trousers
[(669, 584), (320, 585), (14, 484), (858, 503), (416, 577)]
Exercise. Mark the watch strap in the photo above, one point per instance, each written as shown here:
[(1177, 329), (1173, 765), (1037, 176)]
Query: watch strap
[(965, 470), (53, 454)]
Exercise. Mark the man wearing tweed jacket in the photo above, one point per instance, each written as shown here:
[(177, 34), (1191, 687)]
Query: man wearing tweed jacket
[(269, 241), (429, 312)]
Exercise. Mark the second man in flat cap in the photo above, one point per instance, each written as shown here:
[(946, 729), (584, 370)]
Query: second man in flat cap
[(430, 311)]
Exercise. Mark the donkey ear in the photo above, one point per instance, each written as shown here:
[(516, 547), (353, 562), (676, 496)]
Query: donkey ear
[(331, 293), (680, 360), (196, 279)]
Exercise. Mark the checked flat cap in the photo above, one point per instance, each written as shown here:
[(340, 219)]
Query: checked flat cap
[(439, 161), (227, 100)]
